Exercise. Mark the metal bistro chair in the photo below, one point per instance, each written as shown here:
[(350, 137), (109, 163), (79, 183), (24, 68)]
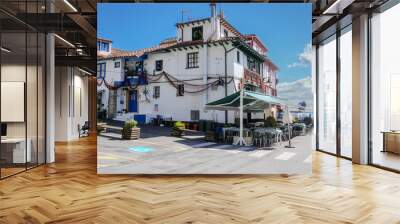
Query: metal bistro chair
[(285, 133), (257, 137), (270, 135), (269, 138), (229, 134), (279, 134)]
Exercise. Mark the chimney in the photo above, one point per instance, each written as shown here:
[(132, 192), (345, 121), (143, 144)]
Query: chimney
[(213, 10)]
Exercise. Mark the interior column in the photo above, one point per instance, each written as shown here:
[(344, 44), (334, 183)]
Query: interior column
[(360, 66), (50, 98)]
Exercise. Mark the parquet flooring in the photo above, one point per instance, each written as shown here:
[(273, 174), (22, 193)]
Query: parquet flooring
[(70, 191)]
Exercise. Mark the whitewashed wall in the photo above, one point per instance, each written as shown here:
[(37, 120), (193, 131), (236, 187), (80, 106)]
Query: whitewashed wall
[(207, 31), (112, 74), (211, 62)]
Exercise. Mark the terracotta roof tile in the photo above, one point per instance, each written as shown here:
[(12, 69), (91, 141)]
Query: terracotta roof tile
[(231, 28), (118, 53), (104, 39), (256, 39)]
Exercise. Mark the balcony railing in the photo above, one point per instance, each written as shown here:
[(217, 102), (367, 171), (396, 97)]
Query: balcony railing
[(252, 76)]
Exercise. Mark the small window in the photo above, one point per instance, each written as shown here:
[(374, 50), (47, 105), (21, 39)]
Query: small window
[(195, 115), (180, 90), (101, 70), (197, 33), (117, 64), (253, 65), (225, 33), (192, 60), (156, 92), (102, 46), (238, 57), (159, 65)]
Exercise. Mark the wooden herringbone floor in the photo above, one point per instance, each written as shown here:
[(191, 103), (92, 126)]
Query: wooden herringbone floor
[(70, 191)]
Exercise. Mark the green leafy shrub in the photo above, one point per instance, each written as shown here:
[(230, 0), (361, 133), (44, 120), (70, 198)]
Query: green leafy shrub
[(129, 125), (178, 129), (179, 125), (270, 122)]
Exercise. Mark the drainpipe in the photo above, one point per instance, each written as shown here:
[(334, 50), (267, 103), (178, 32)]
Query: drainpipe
[(225, 80), (205, 53), (205, 76), (226, 76)]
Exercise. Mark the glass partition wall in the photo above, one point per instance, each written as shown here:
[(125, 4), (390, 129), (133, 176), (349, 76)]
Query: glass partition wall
[(334, 90), (22, 107), (385, 89), (334, 104), (327, 95), (345, 91)]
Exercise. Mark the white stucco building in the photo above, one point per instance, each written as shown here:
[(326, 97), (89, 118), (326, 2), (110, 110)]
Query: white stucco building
[(206, 61)]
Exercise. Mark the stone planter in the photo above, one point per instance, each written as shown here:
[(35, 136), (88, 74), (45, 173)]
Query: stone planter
[(210, 136), (130, 134), (178, 132)]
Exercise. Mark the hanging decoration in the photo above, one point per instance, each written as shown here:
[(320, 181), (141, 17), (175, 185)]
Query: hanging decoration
[(144, 79)]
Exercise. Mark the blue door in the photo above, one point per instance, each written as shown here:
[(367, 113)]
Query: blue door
[(133, 101)]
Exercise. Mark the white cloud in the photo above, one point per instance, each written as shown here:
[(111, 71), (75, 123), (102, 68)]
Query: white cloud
[(297, 91), (304, 58)]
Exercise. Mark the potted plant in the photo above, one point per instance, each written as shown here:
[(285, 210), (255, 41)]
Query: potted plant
[(178, 129), (130, 130), (270, 122)]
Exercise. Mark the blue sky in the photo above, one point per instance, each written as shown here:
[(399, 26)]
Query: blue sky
[(284, 28)]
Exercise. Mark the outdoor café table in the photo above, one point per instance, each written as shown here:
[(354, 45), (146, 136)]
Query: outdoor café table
[(275, 132), (272, 131), (262, 133), (228, 129)]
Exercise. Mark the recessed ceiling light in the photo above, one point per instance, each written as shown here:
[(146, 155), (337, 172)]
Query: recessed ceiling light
[(70, 5), (86, 72), (64, 40), (5, 50)]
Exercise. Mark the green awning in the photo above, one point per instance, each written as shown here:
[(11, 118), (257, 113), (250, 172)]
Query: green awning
[(252, 102)]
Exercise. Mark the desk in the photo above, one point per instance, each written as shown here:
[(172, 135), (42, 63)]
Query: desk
[(15, 148), (391, 141)]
